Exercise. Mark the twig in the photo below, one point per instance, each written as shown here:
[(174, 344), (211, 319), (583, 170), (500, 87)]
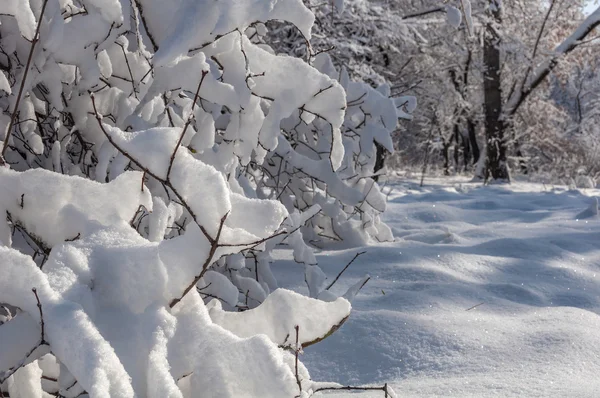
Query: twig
[(383, 388), (39, 305), (5, 375), (13, 116), (166, 182), (473, 307), (129, 69), (423, 13), (214, 242), (187, 123), (329, 333), (213, 248), (344, 269), (367, 279), (297, 351)]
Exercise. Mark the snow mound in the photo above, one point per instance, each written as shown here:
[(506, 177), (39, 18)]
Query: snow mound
[(510, 308), (591, 211)]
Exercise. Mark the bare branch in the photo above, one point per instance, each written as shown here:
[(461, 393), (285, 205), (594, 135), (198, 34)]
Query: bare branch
[(209, 260), (297, 352), (187, 123), (384, 388), (13, 115), (344, 269)]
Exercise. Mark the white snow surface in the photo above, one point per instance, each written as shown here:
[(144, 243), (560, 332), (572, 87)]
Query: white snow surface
[(269, 319), (454, 16), (486, 291)]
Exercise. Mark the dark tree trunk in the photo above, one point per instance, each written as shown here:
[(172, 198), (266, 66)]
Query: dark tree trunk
[(379, 159), (466, 157), (473, 140), (457, 136), (445, 153), (469, 144), (466, 152), (522, 164), (496, 165)]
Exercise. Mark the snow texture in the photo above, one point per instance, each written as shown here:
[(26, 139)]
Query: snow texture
[(277, 316), (487, 291), (454, 16), (156, 162)]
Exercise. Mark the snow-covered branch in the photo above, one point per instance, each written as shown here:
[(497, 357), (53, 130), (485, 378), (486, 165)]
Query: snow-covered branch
[(155, 155), (540, 73)]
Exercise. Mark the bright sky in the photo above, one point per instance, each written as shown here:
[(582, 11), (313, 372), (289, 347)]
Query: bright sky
[(591, 6)]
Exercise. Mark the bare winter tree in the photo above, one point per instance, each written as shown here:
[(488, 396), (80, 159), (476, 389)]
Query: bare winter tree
[(498, 114), (496, 162)]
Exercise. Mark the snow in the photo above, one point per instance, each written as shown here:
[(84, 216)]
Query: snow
[(482, 290), (156, 144), (211, 20), (109, 9), (26, 383), (67, 328), (254, 365), (454, 16), (566, 46), (467, 8), (4, 84), (68, 203), (589, 7), (590, 212), (218, 285), (20, 334), (24, 15), (487, 291), (277, 316), (123, 222), (315, 93)]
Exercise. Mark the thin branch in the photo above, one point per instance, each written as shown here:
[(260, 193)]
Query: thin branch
[(5, 375), (343, 270), (424, 13), (187, 123), (297, 352), (166, 182), (383, 388), (213, 248), (331, 331), (569, 44), (473, 307), (13, 116), (542, 29), (39, 305)]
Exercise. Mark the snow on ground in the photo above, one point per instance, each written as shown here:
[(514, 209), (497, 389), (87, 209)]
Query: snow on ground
[(518, 255)]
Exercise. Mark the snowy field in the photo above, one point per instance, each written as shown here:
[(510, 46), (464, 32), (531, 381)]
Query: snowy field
[(487, 291)]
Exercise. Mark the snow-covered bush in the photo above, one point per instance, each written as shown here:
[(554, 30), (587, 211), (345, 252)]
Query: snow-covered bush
[(153, 157), (367, 37)]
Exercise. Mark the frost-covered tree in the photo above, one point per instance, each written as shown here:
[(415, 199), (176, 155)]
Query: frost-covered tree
[(571, 153), (445, 66), (154, 154), (364, 41)]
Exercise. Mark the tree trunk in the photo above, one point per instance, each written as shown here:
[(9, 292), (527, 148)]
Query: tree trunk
[(466, 147), (456, 148), (473, 140), (381, 152), (466, 156), (519, 153), (445, 153), (496, 165)]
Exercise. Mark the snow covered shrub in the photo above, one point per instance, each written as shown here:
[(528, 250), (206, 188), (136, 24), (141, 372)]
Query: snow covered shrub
[(152, 157), (368, 37), (299, 171)]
